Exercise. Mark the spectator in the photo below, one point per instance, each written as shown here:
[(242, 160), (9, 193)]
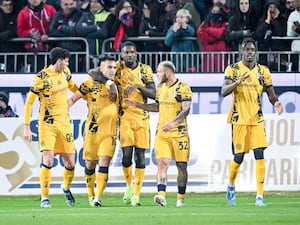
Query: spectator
[(241, 24), (33, 22), (289, 7), (228, 7), (64, 24), (293, 23), (8, 30), (55, 3), (20, 4), (202, 6), (93, 27), (169, 18), (188, 5), (127, 23), (293, 30), (182, 28), (272, 23), (212, 36), (5, 109), (152, 25)]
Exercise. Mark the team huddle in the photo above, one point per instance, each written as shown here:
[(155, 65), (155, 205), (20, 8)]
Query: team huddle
[(116, 93)]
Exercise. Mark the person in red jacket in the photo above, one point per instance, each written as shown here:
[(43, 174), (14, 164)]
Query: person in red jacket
[(212, 36), (34, 21)]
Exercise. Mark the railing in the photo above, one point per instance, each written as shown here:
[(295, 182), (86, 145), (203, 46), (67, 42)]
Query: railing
[(215, 62), (80, 59), (199, 62)]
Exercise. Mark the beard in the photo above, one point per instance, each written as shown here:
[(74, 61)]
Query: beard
[(163, 79)]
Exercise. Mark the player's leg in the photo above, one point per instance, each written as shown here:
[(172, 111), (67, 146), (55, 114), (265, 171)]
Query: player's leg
[(127, 172), (106, 152), (45, 177), (163, 155), (90, 177), (260, 176), (101, 179), (161, 180), (68, 174), (259, 144), (139, 156), (181, 182), (239, 144), (90, 148)]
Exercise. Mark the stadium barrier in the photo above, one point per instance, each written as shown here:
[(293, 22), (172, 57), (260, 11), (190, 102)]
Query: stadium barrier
[(208, 167), (30, 60), (186, 62)]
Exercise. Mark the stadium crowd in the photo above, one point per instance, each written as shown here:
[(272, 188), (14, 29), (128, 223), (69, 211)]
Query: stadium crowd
[(216, 25)]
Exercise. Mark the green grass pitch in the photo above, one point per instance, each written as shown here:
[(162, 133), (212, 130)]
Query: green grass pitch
[(201, 208)]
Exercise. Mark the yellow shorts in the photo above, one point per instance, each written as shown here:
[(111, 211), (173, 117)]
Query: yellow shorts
[(246, 138), (96, 145), (57, 137), (177, 148), (135, 133)]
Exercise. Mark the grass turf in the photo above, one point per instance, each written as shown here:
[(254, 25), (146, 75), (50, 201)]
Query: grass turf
[(201, 208)]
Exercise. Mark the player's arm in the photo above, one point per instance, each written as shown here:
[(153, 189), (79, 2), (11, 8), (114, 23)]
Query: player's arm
[(27, 113), (74, 98), (148, 91), (229, 86), (151, 107), (111, 86), (274, 99), (97, 75), (186, 105), (72, 86)]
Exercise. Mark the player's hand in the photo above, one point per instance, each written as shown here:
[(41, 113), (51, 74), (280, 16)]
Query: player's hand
[(130, 89), (130, 102), (278, 107), (243, 77), (113, 92), (168, 126), (27, 133)]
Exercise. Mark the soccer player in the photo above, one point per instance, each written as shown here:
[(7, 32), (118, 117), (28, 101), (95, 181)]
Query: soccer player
[(50, 85), (173, 101), (246, 80), (134, 80), (100, 129)]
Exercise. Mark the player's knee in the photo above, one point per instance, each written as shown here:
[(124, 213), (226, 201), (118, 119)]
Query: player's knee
[(259, 153), (126, 162), (238, 158)]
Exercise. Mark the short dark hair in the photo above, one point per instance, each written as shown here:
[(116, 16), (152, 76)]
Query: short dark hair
[(58, 53), (128, 43), (248, 40)]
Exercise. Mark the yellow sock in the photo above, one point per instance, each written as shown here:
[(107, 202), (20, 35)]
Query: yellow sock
[(101, 181), (90, 182), (138, 180), (260, 175), (45, 180), (180, 196), (233, 171), (127, 172), (68, 177)]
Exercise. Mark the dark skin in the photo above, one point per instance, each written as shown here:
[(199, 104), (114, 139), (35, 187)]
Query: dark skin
[(129, 55), (248, 59)]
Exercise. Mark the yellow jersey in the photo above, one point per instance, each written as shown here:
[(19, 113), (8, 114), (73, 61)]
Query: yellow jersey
[(102, 113), (170, 104), (125, 77), (246, 108), (52, 87)]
